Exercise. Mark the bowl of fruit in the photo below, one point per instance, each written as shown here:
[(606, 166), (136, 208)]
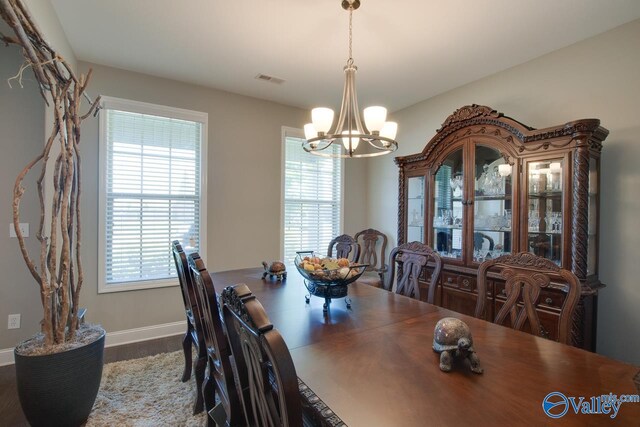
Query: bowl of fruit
[(327, 277)]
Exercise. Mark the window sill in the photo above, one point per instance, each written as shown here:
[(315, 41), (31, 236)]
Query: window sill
[(104, 288)]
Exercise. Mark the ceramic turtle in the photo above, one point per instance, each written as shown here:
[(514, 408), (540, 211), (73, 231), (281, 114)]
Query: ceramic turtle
[(276, 269), (452, 338)]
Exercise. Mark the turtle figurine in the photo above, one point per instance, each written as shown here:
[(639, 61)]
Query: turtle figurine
[(452, 338), (276, 269)]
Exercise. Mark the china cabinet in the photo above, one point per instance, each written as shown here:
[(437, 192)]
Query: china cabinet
[(487, 185)]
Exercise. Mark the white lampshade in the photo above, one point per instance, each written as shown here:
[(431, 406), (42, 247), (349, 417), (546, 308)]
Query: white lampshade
[(374, 118), (354, 141), (555, 167), (504, 170), (322, 119), (310, 131), (389, 130)]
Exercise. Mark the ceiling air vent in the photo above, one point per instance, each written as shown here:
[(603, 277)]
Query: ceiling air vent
[(270, 79)]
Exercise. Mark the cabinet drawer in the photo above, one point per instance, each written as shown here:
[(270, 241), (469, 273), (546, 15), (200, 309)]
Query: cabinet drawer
[(553, 299), (548, 299), (464, 283)]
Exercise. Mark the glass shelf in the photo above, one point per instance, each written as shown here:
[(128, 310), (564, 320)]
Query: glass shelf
[(480, 198), (546, 194), (493, 230), (545, 232)]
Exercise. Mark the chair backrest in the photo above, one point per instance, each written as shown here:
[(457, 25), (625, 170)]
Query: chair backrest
[(218, 349), (525, 275), (263, 364), (345, 245), (413, 257), (375, 259), (186, 285)]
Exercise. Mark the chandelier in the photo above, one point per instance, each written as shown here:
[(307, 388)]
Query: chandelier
[(374, 137)]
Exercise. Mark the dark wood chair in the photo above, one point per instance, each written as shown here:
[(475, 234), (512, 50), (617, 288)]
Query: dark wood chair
[(525, 276), (194, 334), (373, 245), (345, 247), (263, 365), (413, 257), (219, 377)]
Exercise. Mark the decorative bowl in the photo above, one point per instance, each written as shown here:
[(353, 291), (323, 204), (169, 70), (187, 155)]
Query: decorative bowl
[(328, 276), (328, 282)]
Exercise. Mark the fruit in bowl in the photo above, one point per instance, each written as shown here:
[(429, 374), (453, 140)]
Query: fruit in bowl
[(327, 270)]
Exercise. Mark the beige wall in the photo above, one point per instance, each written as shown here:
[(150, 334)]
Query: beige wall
[(598, 78), (244, 182)]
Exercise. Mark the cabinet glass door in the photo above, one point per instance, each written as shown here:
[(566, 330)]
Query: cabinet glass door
[(448, 212), (415, 209), (545, 210), (492, 214)]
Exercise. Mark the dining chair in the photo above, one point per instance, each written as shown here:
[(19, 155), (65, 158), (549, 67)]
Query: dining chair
[(219, 377), (194, 335), (412, 258), (525, 275), (345, 247), (263, 366), (373, 245)]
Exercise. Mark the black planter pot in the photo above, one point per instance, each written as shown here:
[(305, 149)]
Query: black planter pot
[(60, 389)]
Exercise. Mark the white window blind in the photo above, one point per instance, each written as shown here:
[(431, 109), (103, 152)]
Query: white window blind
[(312, 199), (152, 195)]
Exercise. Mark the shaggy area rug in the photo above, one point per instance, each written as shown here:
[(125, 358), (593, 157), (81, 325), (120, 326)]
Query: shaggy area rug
[(144, 393)]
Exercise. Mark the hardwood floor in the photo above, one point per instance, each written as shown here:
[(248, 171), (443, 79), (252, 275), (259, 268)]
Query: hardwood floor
[(10, 411)]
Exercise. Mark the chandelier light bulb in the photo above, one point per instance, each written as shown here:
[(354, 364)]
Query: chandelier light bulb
[(389, 130), (374, 118), (354, 141), (322, 119), (310, 131)]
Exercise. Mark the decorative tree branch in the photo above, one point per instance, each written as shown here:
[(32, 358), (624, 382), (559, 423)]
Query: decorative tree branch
[(59, 273)]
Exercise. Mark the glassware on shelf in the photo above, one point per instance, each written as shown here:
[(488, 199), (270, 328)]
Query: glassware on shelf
[(534, 221), (507, 219), (456, 185), (553, 222), (416, 218), (447, 219)]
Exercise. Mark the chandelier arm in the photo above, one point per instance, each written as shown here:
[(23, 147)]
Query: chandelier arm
[(343, 107), (354, 107)]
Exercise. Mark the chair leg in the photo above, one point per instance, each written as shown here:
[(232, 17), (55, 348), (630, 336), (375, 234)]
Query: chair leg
[(201, 366), (186, 348), (209, 394)]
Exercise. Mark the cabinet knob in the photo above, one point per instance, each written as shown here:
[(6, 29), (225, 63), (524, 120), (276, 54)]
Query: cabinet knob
[(548, 301), (449, 280), (465, 283), (503, 292)]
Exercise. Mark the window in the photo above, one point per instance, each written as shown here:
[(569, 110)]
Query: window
[(312, 197), (152, 191)]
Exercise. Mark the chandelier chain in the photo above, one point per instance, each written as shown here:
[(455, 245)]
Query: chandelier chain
[(350, 61)]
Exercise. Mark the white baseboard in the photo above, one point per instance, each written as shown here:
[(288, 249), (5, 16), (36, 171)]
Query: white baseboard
[(6, 356), (127, 336)]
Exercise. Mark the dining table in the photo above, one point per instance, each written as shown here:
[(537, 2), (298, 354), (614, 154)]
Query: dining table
[(374, 365)]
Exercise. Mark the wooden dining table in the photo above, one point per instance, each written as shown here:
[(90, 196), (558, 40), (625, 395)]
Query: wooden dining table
[(374, 365)]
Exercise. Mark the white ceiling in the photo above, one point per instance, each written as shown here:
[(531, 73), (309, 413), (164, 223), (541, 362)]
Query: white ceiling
[(406, 51)]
